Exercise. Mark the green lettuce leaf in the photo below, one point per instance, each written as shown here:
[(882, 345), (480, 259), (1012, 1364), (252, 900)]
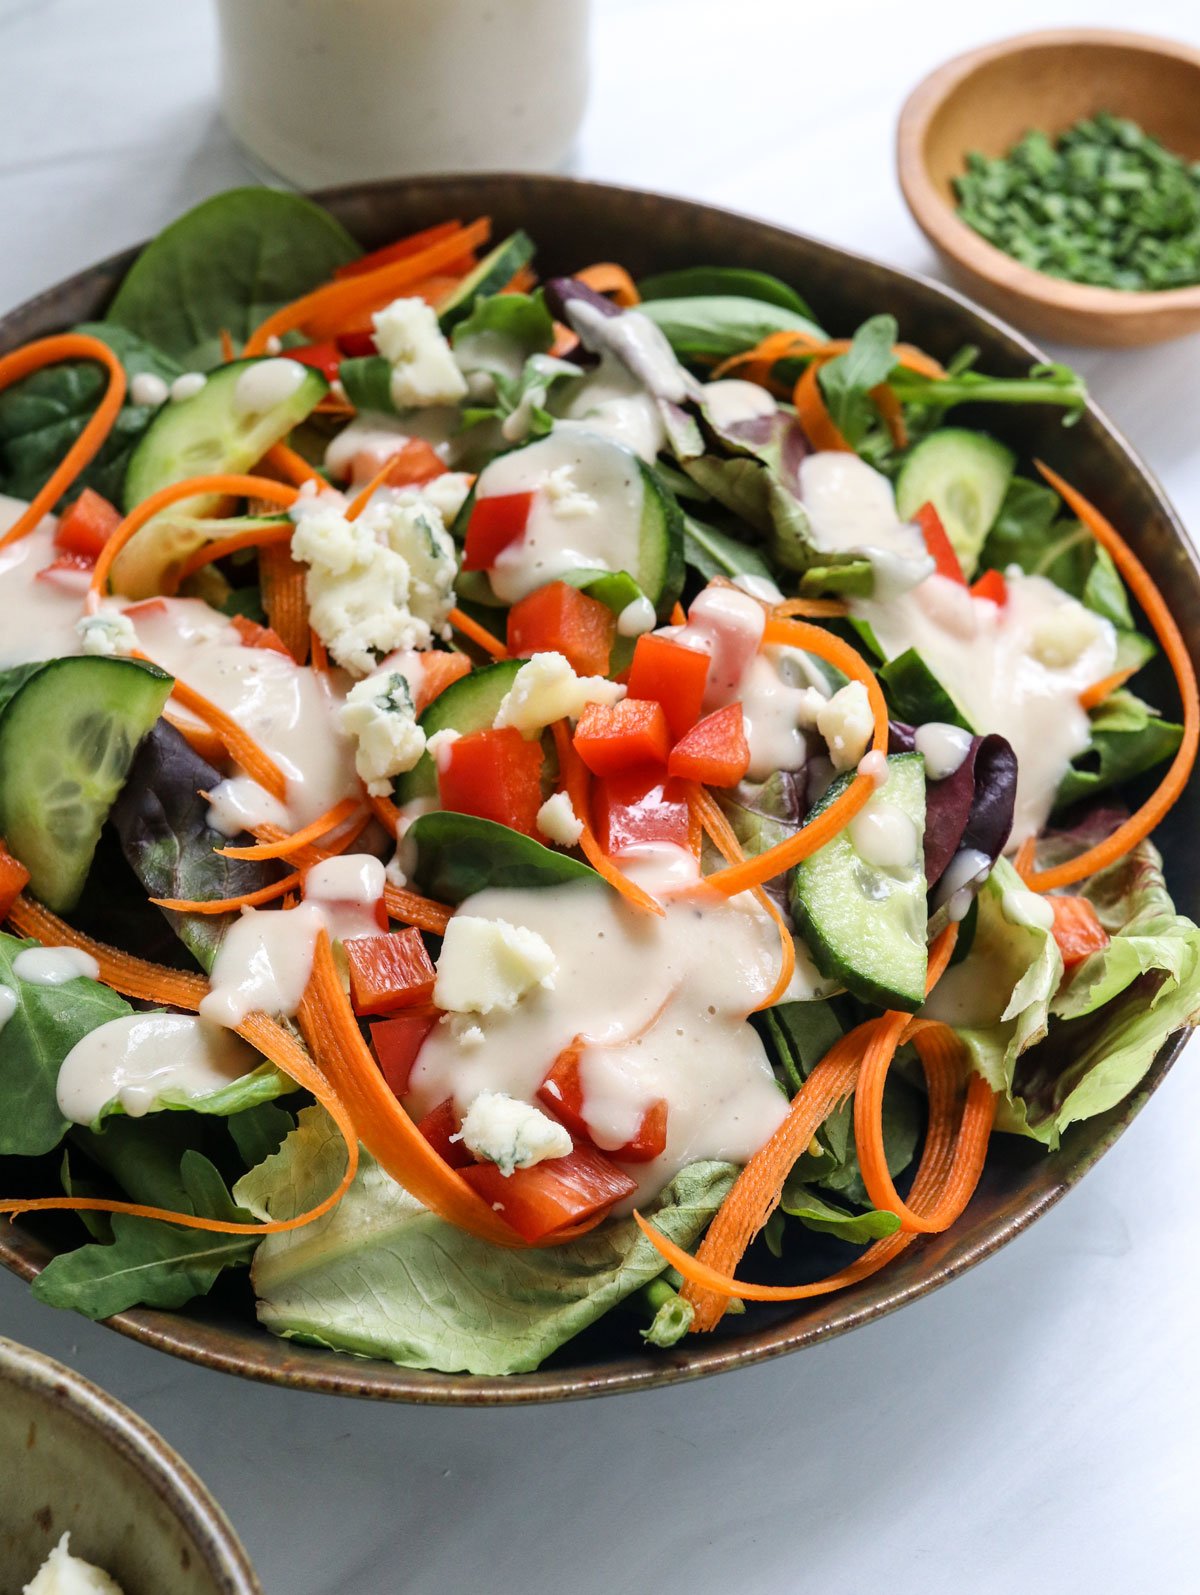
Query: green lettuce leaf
[(700, 282), (714, 553), (150, 1263), (46, 1024), (227, 265), (43, 415), (381, 1276), (458, 855), (856, 1228), (1128, 737), (708, 328), (998, 997)]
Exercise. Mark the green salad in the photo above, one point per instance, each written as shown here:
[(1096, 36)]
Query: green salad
[(529, 801)]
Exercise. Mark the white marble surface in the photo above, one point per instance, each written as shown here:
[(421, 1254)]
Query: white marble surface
[(1034, 1427)]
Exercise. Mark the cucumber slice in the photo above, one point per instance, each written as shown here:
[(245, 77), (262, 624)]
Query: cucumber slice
[(495, 271), (965, 476), (466, 705), (67, 739), (212, 431), (865, 921)]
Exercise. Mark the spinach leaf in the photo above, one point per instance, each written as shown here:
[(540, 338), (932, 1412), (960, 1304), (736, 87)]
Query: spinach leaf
[(801, 1034), (1128, 737), (846, 382), (458, 855), (701, 282), (914, 693), (150, 1263), (162, 823), (44, 1026), (381, 1276), (367, 380), (714, 553), (43, 415), (227, 265), (857, 1229), (502, 331), (708, 328)]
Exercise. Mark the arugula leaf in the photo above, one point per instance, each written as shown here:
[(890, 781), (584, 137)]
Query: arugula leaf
[(260, 1131), (846, 382), (740, 282), (43, 415), (708, 328), (459, 855), (150, 1263), (227, 265), (857, 1229), (1128, 737), (45, 1025), (162, 823), (381, 1276)]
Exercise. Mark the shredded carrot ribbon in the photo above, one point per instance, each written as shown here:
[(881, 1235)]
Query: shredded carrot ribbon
[(575, 779), (329, 309), (229, 905), (1025, 858), (238, 743), (35, 357), (1092, 697), (228, 352), (285, 600), (291, 466), (479, 635), (1141, 584), (710, 816), (410, 908), (201, 738), (608, 278), (811, 609), (209, 553), (224, 483), (312, 832), (812, 836)]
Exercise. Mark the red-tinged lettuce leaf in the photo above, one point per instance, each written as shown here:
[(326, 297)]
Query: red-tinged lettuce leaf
[(162, 823), (971, 808)]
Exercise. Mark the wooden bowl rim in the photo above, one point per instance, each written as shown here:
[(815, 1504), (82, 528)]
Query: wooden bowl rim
[(954, 238)]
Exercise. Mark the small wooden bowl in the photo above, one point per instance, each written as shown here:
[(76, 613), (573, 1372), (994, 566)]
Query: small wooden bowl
[(988, 99)]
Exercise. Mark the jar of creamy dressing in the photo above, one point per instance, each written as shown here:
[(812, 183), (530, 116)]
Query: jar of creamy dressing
[(337, 91)]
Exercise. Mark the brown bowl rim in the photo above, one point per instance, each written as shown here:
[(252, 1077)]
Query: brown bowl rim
[(960, 243), (160, 1467), (253, 1353)]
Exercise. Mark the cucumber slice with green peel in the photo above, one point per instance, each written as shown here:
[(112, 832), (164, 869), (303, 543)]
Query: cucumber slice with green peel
[(859, 901), (495, 271), (68, 736), (467, 705), (965, 476), (226, 427)]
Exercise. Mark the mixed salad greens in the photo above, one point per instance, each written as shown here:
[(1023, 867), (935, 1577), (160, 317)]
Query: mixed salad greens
[(495, 772)]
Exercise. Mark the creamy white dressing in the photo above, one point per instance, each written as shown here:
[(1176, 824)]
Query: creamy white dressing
[(145, 1060), (1016, 669), (851, 508), (263, 963), (611, 402), (240, 804), (40, 611), (639, 343), (955, 890), (662, 1002), (265, 383), (586, 511), (884, 836), (347, 890), (636, 618), (285, 707), (730, 401), (727, 625), (9, 1003), (54, 966), (943, 747), (187, 386), (1028, 909), (148, 388), (875, 765), (760, 587), (363, 447)]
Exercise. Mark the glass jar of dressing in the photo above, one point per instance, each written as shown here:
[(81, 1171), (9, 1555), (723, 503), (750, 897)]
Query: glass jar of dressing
[(337, 91)]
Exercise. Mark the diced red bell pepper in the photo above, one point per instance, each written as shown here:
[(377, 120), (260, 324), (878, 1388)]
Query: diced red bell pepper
[(715, 751), (146, 609), (562, 1092), (494, 774), (670, 674), (389, 972), (991, 585), (438, 1125), (14, 878), (323, 357), (622, 736), (439, 670), (1077, 929), (397, 1042), (495, 523), (357, 342), (68, 565), (938, 545), (638, 808), (86, 525), (552, 1195), (255, 636), (558, 618), (414, 463)]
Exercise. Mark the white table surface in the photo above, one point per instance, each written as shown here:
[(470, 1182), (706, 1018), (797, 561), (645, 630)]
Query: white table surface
[(1034, 1427)]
